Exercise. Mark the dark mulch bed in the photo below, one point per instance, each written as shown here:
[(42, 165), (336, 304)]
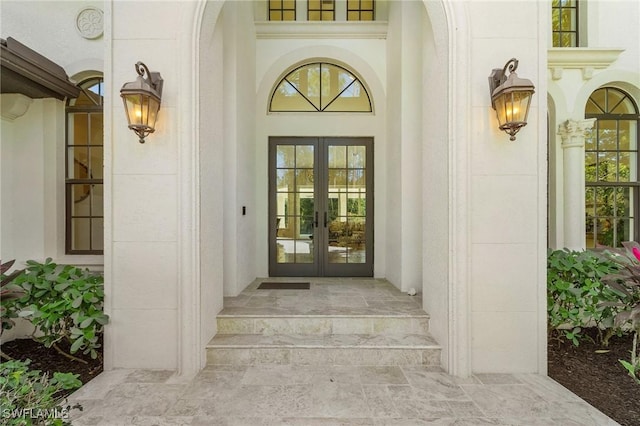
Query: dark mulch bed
[(598, 378), (51, 361)]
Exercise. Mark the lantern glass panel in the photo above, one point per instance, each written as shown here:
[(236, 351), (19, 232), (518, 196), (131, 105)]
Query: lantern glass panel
[(134, 107), (521, 105), (144, 118), (512, 107), (154, 106), (501, 109)]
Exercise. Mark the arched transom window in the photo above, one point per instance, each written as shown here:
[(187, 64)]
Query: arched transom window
[(611, 169), (320, 87)]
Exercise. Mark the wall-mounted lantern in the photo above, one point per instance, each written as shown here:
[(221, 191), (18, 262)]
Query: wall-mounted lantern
[(510, 97), (142, 101)]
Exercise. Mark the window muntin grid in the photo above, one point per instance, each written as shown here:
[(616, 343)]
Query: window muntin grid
[(612, 197), (84, 159), (564, 22), (320, 87), (360, 10), (282, 10), (321, 10)]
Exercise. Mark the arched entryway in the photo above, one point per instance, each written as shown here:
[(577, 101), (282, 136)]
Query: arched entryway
[(230, 168)]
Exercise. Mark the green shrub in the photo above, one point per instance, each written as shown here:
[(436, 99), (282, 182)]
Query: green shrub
[(575, 294), (29, 397), (64, 303), (626, 282), (9, 291)]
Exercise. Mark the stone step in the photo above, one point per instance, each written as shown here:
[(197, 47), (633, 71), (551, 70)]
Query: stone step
[(322, 324), (337, 321), (335, 349)]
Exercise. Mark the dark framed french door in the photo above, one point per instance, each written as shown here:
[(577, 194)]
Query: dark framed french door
[(320, 206)]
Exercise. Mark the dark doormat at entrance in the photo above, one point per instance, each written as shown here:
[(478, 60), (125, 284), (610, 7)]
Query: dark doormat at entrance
[(283, 286)]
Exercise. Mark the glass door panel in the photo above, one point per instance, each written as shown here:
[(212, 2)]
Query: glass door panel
[(293, 206), (319, 222), (347, 220)]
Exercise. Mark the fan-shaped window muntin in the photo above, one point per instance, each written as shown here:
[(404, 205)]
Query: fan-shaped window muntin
[(320, 87)]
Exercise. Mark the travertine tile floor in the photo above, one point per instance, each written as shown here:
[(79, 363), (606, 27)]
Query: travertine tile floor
[(303, 395), (294, 394), (327, 296)]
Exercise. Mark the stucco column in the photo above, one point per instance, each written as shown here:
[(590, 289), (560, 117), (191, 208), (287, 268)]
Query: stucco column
[(573, 134)]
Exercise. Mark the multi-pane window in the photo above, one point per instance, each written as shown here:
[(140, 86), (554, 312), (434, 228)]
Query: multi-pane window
[(564, 21), (84, 192), (611, 169), (320, 87), (360, 10), (321, 10), (282, 10)]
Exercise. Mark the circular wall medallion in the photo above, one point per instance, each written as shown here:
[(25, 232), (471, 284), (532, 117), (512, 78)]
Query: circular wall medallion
[(90, 23)]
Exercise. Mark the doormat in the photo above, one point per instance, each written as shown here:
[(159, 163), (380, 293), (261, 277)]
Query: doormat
[(283, 286)]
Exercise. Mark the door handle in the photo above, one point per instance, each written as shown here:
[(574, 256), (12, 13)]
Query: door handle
[(326, 219), (315, 222)]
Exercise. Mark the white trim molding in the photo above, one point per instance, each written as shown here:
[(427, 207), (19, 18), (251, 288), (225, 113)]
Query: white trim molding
[(459, 361), (586, 59), (321, 29)]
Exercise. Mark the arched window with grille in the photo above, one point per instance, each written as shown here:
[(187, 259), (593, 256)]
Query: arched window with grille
[(320, 87), (611, 169), (84, 155)]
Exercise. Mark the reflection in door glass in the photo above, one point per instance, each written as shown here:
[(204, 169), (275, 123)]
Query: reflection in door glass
[(356, 156), (285, 156), (295, 203), (304, 156), (337, 156), (346, 204)]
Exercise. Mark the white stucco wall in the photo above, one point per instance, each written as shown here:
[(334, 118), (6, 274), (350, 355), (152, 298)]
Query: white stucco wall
[(22, 142), (614, 24), (239, 151), (404, 150), (22, 159), (49, 28)]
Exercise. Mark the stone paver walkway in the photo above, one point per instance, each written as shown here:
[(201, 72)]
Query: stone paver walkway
[(312, 395)]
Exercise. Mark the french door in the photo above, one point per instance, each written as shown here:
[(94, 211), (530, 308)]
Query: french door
[(320, 206)]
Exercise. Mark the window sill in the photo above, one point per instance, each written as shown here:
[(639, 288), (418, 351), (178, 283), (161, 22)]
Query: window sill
[(90, 261)]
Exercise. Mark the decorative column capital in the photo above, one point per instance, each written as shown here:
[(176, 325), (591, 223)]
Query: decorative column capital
[(573, 132)]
